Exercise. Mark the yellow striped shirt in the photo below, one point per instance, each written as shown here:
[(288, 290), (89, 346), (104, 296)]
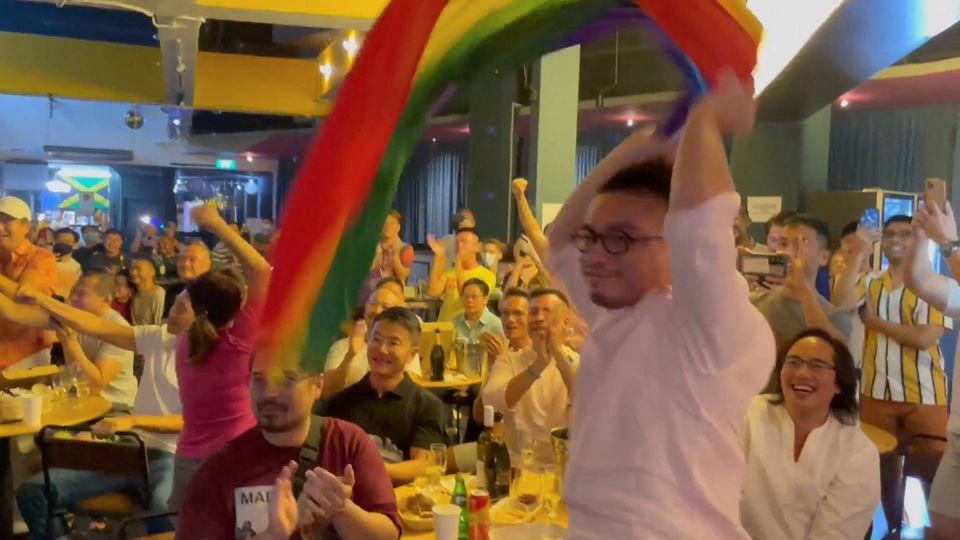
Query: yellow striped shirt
[(896, 372)]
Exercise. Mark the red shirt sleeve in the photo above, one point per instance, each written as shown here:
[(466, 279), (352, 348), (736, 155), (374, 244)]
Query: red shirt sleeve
[(203, 514), (373, 490)]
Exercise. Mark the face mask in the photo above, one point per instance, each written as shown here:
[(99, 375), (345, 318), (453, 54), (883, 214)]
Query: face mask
[(489, 260), (90, 239), (61, 250)]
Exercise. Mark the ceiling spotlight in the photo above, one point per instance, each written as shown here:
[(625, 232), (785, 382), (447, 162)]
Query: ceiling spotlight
[(326, 70), (844, 103), (434, 139), (351, 46), (249, 158), (630, 122), (145, 220)]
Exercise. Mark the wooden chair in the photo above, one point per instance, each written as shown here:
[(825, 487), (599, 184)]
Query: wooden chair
[(125, 458)]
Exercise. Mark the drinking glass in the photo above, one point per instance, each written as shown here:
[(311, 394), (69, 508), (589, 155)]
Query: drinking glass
[(552, 490), (83, 389), (59, 384), (526, 485), (438, 466)]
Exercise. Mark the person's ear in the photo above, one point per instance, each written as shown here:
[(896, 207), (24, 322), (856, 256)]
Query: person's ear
[(318, 387)]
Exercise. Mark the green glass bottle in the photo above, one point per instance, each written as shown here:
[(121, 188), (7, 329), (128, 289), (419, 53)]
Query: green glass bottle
[(460, 499)]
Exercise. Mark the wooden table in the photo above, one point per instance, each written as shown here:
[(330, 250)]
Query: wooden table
[(884, 440), (402, 492), (67, 412), (425, 382), (25, 378)]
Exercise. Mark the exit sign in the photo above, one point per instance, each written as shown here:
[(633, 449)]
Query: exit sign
[(226, 164)]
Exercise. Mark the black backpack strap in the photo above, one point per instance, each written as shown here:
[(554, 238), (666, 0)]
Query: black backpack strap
[(309, 454)]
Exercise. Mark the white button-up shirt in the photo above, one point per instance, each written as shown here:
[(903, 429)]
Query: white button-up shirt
[(542, 408), (662, 392), (831, 492)]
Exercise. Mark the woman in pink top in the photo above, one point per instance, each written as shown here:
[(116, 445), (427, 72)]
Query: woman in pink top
[(213, 357)]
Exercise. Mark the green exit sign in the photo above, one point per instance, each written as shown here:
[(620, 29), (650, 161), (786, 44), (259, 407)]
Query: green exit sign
[(226, 164)]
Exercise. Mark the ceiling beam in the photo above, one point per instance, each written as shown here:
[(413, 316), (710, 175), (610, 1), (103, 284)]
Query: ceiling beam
[(861, 38)]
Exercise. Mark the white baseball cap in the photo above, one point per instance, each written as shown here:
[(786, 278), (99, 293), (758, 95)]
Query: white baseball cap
[(15, 208)]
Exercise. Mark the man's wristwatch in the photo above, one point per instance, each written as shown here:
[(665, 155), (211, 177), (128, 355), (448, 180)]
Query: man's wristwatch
[(949, 248)]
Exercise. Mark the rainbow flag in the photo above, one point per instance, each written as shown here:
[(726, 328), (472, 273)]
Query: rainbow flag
[(416, 51)]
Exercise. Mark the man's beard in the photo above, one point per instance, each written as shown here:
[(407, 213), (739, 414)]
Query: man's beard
[(282, 424)]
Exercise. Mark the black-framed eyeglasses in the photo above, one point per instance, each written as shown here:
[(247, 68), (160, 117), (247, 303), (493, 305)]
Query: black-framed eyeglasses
[(614, 244), (815, 366), (288, 378)]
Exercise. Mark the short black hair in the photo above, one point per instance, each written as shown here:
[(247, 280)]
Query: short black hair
[(479, 283), (516, 291), (470, 230), (779, 220), (67, 230), (649, 177), (544, 291), (811, 222), (844, 406), (899, 218), (388, 279), (117, 232), (104, 283), (403, 317), (86, 228), (849, 228)]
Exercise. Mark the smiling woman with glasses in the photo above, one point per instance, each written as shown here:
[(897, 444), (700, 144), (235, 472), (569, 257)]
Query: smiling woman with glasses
[(805, 451)]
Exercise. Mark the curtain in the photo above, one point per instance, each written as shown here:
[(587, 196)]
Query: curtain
[(432, 187), (594, 146), (881, 148)]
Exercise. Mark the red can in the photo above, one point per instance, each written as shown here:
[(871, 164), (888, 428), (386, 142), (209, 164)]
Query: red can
[(478, 506)]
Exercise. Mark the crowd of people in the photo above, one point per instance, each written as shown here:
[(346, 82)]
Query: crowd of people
[(628, 323)]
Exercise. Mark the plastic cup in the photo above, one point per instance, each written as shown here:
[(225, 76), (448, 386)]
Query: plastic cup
[(32, 409), (446, 521)]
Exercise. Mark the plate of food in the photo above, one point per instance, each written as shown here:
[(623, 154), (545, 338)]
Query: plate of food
[(416, 511), (509, 511)]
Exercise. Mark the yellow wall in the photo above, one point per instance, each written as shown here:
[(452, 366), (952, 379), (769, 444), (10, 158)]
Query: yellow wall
[(258, 84), (362, 9), (32, 64)]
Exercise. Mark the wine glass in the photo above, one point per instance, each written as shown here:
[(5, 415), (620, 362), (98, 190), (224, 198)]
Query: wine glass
[(438, 466), (527, 482)]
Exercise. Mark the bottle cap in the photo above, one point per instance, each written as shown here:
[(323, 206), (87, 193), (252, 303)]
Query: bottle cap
[(488, 415)]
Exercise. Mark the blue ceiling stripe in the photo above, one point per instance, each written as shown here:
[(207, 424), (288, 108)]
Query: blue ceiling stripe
[(114, 26)]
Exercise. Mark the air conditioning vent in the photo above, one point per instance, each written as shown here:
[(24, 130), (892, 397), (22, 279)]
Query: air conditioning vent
[(89, 154)]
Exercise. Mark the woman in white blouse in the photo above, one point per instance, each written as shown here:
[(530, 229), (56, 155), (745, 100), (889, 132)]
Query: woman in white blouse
[(811, 473)]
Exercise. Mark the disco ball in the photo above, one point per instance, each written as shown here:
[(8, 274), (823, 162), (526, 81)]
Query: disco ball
[(133, 119)]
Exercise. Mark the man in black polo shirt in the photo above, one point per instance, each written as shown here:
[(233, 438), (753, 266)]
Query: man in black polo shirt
[(402, 418)]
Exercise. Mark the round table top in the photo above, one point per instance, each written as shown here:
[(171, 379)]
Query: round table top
[(425, 382), (884, 440), (68, 412)]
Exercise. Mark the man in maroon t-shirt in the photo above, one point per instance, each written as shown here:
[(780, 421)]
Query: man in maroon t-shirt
[(244, 491)]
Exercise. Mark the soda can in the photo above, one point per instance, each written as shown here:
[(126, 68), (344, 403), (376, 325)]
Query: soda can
[(478, 506)]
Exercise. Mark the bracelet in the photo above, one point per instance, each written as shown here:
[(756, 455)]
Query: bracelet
[(533, 374)]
